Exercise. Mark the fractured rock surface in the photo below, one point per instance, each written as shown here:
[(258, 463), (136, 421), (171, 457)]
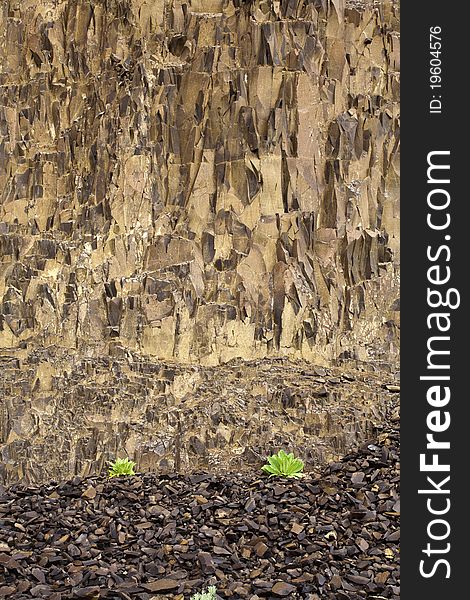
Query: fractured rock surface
[(200, 180), (65, 416)]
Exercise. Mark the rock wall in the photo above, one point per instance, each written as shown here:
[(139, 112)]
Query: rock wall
[(199, 180), (65, 415)]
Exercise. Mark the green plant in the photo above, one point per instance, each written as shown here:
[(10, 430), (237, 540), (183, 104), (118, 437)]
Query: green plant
[(209, 595), (121, 466), (283, 464)]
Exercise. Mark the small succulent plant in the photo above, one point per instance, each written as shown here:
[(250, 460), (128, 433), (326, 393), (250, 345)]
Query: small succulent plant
[(209, 595), (121, 466), (284, 465)]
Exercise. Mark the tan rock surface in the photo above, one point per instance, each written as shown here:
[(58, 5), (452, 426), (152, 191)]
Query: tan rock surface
[(191, 182), (200, 184), (65, 415)]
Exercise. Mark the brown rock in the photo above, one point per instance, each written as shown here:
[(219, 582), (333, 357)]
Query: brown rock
[(357, 477), (261, 548), (382, 577), (89, 493), (297, 528), (206, 563), (161, 585), (281, 588), (359, 579)]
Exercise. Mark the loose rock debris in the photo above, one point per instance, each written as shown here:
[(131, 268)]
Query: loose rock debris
[(154, 537)]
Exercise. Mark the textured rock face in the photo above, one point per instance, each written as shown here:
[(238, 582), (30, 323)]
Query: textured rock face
[(185, 186), (200, 180), (65, 415)]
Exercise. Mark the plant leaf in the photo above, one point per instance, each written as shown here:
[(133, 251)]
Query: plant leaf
[(284, 464), (269, 469)]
